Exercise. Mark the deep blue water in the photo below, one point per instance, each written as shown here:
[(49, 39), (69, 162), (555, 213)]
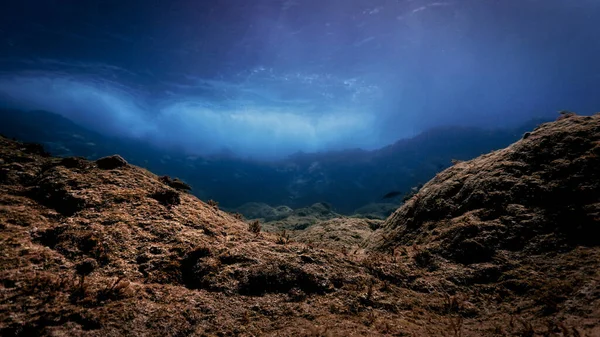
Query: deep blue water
[(349, 180), (267, 78)]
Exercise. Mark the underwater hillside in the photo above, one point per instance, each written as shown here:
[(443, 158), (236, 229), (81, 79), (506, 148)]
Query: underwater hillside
[(504, 244), (300, 168)]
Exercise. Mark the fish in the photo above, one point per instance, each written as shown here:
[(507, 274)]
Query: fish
[(391, 195)]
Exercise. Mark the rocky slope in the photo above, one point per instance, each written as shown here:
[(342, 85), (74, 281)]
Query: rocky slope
[(526, 217), (506, 244), (541, 193)]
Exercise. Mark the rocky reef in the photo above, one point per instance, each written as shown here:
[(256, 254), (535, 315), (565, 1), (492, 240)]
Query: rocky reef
[(502, 245)]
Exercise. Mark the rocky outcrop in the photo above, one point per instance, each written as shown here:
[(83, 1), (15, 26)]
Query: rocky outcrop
[(540, 194), (506, 244), (111, 162), (163, 261)]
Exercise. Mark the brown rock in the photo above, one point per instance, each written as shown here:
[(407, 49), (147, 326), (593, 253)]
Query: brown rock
[(541, 190), (111, 162), (505, 244)]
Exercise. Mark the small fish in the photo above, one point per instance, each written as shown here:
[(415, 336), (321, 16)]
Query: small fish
[(391, 195)]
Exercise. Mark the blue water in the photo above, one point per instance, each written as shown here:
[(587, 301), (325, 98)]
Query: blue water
[(268, 78)]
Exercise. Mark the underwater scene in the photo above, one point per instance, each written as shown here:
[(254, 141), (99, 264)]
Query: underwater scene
[(300, 168)]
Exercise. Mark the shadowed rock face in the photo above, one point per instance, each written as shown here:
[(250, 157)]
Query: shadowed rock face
[(111, 162), (539, 194), (506, 244)]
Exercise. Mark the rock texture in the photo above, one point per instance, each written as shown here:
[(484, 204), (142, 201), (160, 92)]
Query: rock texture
[(506, 244), (299, 219), (525, 218), (111, 162), (344, 234), (87, 250), (539, 194)]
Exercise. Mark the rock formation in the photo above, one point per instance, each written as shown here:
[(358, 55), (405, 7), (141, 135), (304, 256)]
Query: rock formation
[(505, 244)]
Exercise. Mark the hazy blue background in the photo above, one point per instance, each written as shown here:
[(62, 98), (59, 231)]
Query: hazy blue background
[(266, 78)]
